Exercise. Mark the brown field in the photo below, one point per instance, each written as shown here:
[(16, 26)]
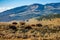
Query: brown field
[(30, 30)]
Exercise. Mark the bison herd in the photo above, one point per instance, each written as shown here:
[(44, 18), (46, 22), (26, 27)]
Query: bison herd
[(23, 30)]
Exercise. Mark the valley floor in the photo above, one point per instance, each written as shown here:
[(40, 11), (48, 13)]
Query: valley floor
[(31, 30)]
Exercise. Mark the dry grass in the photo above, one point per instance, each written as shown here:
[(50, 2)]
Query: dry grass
[(31, 30)]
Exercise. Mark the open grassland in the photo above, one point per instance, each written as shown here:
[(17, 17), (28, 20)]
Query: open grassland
[(31, 30)]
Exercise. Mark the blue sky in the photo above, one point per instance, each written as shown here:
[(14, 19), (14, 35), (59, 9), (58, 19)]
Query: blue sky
[(8, 4)]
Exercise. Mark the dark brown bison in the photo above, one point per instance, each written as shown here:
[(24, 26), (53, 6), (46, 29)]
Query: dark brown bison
[(14, 23), (39, 25)]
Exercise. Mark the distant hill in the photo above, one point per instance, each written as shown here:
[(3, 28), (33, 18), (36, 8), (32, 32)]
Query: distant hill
[(29, 11), (50, 16)]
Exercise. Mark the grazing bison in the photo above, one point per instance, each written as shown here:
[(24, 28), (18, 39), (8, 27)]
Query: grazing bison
[(13, 28), (39, 25), (32, 25), (14, 23), (28, 27)]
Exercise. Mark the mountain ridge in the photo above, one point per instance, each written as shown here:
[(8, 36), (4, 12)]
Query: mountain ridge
[(30, 11)]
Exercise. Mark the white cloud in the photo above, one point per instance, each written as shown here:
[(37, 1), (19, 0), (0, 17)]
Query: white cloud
[(4, 8)]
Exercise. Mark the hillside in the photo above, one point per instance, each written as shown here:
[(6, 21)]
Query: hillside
[(29, 11), (50, 16)]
